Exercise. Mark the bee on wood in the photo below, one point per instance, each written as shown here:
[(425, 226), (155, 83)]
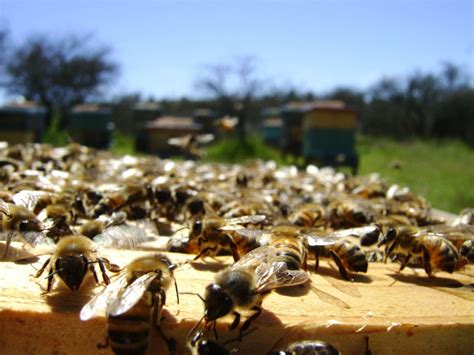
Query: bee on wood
[(307, 347), (213, 235), (467, 250), (20, 220), (308, 215), (346, 254), (289, 246), (74, 256), (58, 220), (435, 251), (243, 285), (133, 303)]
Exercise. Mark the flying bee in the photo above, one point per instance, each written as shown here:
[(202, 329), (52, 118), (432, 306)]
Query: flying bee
[(189, 143), (74, 256), (214, 235), (435, 251), (307, 347), (18, 219), (308, 215), (133, 303), (243, 285), (226, 124)]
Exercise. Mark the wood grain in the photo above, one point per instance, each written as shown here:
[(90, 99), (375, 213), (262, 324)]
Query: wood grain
[(404, 312)]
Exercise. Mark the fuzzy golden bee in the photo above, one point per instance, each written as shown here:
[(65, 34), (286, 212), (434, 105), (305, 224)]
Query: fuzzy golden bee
[(133, 303), (74, 256)]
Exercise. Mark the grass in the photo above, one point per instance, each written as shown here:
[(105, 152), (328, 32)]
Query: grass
[(442, 171)]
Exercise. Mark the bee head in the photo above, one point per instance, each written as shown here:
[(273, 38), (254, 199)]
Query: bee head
[(218, 303), (30, 225), (72, 270), (389, 237), (210, 347), (196, 229)]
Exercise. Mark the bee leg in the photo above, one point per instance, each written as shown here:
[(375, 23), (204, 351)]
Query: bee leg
[(103, 346), (50, 281), (204, 252), (405, 262), (340, 265), (246, 325), (233, 247), (235, 322), (92, 269), (427, 261), (7, 243), (317, 254), (388, 252), (102, 270), (40, 271), (111, 267), (367, 349)]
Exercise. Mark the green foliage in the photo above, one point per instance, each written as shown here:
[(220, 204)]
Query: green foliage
[(440, 170), (122, 143), (54, 135)]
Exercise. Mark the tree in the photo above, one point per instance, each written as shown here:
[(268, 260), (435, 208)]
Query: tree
[(59, 73), (235, 88)]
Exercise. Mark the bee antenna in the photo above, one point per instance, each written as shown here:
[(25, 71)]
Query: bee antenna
[(176, 288), (195, 294), (54, 272)]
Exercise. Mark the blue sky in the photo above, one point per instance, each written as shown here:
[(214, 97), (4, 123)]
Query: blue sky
[(162, 46)]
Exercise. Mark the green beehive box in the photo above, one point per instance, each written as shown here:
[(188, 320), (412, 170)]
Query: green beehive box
[(91, 125)]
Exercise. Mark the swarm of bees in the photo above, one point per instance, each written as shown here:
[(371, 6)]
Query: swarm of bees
[(272, 221)]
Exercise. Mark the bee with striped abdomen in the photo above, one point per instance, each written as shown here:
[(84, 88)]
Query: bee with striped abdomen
[(133, 304)]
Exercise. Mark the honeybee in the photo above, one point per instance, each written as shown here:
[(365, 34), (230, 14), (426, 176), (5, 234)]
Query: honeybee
[(57, 220), (214, 235), (435, 251), (346, 255), (189, 143), (74, 256), (289, 246), (467, 250), (133, 303), (243, 285), (226, 124), (308, 215), (112, 231), (18, 219), (308, 347)]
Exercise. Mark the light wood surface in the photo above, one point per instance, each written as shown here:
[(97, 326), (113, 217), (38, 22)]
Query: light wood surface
[(401, 313)]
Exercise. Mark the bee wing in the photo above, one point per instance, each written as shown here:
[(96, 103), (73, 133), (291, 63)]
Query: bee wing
[(261, 255), (316, 240), (28, 198), (354, 232), (205, 138), (178, 141), (99, 304), (276, 275), (37, 238), (243, 220), (121, 237), (250, 233), (131, 295)]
